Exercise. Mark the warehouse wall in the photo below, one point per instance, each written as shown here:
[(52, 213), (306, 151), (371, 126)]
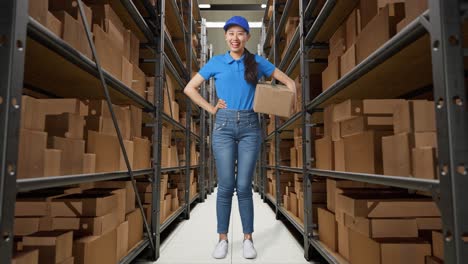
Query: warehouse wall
[(216, 35)]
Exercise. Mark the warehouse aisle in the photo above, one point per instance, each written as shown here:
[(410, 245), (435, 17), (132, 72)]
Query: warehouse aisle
[(192, 241)]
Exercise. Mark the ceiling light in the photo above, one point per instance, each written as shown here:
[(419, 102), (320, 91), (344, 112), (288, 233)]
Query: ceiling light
[(263, 5), (204, 6)]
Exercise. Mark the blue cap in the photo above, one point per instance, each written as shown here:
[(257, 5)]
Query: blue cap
[(237, 21)]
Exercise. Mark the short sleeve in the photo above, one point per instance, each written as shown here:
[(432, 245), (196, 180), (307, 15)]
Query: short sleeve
[(208, 70), (265, 67)]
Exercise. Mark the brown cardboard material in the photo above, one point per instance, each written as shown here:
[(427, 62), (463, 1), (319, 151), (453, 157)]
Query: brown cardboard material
[(72, 154), (328, 229), (397, 155), (324, 153), (348, 60), (174, 204), (38, 10), (363, 152), (95, 226), (66, 125), (175, 110), (346, 110), (339, 155), (54, 24), (122, 240), (334, 185), (364, 205), (433, 260), (96, 249), (135, 227), (429, 223), (300, 209), (32, 113), (286, 202), (425, 139), (353, 28), (136, 121), (73, 32), (336, 131), (368, 9), (142, 153), (414, 8), (364, 250), (70, 260), (31, 153), (60, 106), (381, 228), (273, 99), (293, 203), (89, 163), (415, 116), (293, 157), (437, 244), (83, 205), (139, 80), (331, 74), (343, 241), (127, 72), (134, 47), (168, 203), (299, 155), (108, 154), (328, 119), (26, 225), (52, 160), (380, 106), (129, 192), (110, 54), (52, 245), (424, 163), (26, 257)]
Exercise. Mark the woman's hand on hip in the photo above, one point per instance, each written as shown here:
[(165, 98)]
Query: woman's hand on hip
[(220, 105)]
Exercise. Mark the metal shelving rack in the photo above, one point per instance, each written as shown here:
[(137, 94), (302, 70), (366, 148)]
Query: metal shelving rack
[(436, 35), (15, 28)]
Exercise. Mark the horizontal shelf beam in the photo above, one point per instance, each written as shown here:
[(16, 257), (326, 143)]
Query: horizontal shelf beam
[(324, 252), (289, 50), (321, 18), (395, 181), (24, 185), (290, 169)]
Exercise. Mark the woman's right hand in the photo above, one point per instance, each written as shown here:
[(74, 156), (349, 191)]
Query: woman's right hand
[(220, 105)]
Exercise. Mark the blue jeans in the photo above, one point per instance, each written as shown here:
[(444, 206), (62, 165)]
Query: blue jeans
[(236, 137)]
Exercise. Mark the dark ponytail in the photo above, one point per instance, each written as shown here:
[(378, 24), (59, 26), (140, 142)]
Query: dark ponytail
[(251, 68)]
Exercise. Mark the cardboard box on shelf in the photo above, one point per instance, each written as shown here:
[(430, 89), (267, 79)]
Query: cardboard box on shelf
[(52, 245), (38, 10), (110, 54), (168, 204), (273, 99), (293, 203), (424, 163), (300, 209), (122, 240), (381, 228), (28, 225), (293, 157), (70, 260), (379, 30), (386, 250), (429, 223), (83, 205), (109, 157), (385, 206), (52, 161), (60, 106), (72, 154), (54, 24), (96, 249), (336, 131), (135, 227), (66, 125), (348, 60), (339, 156), (174, 204), (438, 244), (368, 9), (142, 153), (328, 120), (32, 113), (433, 260), (331, 74), (139, 81), (337, 42), (363, 152), (425, 139), (324, 153), (334, 186), (346, 110), (380, 106), (127, 72), (25, 257), (32, 145), (397, 155), (343, 240), (353, 28), (73, 32), (327, 225), (87, 225), (414, 116), (360, 124), (129, 192), (72, 9), (89, 163), (415, 8), (136, 120)]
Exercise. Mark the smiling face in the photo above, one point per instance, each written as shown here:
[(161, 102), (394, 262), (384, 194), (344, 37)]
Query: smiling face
[(236, 38)]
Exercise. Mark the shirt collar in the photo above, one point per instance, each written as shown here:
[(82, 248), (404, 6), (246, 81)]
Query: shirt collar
[(229, 59)]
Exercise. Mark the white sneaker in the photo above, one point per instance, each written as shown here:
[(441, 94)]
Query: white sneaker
[(221, 249), (249, 250)]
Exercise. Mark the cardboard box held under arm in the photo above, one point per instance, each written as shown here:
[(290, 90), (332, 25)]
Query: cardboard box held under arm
[(273, 99)]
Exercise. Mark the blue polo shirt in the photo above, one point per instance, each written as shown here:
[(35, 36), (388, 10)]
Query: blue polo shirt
[(231, 85)]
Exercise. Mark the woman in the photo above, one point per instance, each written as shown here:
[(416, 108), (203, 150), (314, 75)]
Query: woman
[(236, 134)]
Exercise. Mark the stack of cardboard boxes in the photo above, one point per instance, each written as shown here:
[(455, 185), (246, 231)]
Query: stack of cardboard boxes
[(78, 225), (286, 146), (370, 25), (69, 136), (116, 46), (289, 30), (380, 136), (296, 151), (383, 225)]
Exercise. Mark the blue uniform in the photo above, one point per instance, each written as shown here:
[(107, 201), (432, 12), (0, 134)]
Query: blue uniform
[(231, 85)]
